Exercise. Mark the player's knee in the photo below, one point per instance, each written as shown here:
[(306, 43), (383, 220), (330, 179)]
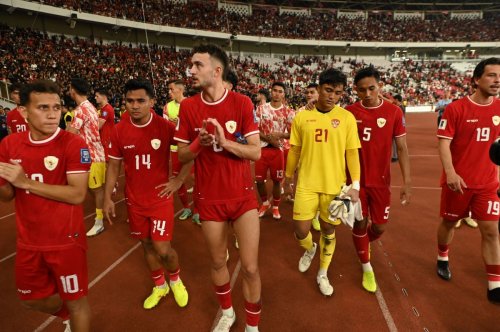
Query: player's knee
[(250, 271), (77, 306), (165, 250), (378, 229)]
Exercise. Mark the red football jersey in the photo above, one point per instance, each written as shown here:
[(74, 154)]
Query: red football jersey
[(16, 122), (42, 223), (145, 151), (472, 129), (107, 113), (377, 126), (220, 176)]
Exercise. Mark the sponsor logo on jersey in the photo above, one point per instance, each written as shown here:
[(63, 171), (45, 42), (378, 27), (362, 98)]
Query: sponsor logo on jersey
[(50, 162), (18, 160), (155, 143), (24, 291), (129, 146), (472, 121), (381, 122), (85, 156), (442, 124), (359, 121), (231, 126), (496, 120), (335, 123)]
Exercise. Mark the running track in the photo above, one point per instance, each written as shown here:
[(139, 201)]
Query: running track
[(410, 298)]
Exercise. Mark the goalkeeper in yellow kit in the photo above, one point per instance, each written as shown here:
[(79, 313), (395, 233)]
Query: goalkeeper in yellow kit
[(323, 141)]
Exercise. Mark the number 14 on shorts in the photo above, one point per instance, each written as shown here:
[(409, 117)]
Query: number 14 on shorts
[(159, 225)]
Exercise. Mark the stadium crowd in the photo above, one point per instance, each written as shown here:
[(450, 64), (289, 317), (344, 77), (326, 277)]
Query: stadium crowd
[(29, 54), (266, 21)]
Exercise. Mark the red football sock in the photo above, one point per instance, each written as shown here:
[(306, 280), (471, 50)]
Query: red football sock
[(493, 272), (253, 313), (276, 202), (158, 277), (362, 244), (263, 199), (174, 276), (224, 295), (443, 250)]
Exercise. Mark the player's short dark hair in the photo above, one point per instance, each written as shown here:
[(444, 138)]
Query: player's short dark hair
[(80, 85), (366, 72), (103, 92), (215, 52), (281, 84), (479, 70), (264, 92), (40, 86), (231, 77), (312, 85), (398, 98), (176, 82), (138, 84), (332, 76)]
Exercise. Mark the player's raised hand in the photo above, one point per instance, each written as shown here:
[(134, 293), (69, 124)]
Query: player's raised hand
[(169, 188), (13, 172), (220, 137), (206, 138), (109, 209)]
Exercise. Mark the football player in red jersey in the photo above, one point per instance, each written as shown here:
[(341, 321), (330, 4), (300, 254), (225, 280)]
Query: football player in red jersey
[(470, 179), (16, 122), (143, 143), (106, 118), (46, 170), (379, 122), (275, 122), (217, 129)]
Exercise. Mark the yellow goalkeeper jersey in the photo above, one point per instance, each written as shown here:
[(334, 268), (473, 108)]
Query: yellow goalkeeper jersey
[(324, 138)]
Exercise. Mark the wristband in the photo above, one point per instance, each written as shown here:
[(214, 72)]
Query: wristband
[(195, 146), (355, 185)]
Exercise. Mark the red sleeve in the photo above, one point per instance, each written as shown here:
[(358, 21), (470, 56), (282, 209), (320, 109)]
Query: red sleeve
[(9, 122), (446, 128), (250, 122), (183, 124), (114, 148), (399, 124), (78, 156), (4, 157)]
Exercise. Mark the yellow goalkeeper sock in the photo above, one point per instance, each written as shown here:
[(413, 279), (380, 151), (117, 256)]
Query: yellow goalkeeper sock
[(307, 242), (327, 248)]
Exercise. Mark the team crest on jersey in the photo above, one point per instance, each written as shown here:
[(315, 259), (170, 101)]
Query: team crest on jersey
[(50, 162), (442, 124), (381, 122), (335, 123), (155, 143), (496, 120), (104, 113), (231, 126)]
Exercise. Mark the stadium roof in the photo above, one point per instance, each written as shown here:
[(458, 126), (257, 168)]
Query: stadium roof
[(425, 5)]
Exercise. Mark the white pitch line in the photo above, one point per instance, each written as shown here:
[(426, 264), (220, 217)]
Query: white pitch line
[(385, 311), (100, 276), (7, 257), (10, 214)]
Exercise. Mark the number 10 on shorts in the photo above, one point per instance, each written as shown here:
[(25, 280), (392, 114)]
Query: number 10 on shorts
[(69, 283)]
